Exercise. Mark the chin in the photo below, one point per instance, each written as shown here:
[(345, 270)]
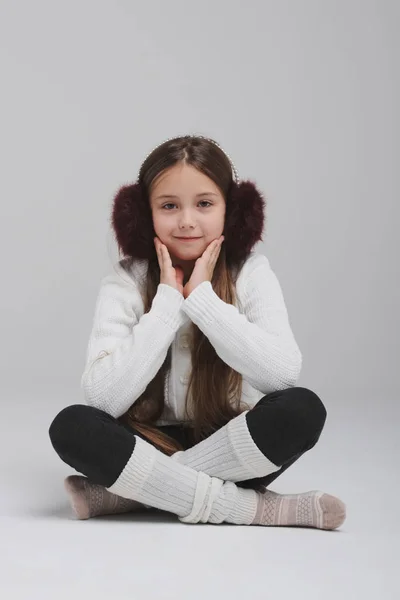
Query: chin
[(187, 252)]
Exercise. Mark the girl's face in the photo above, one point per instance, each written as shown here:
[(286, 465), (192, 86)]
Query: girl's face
[(195, 208)]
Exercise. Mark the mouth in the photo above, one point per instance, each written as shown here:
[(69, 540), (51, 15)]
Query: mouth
[(187, 239)]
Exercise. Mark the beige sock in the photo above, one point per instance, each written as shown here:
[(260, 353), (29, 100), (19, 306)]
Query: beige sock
[(309, 509), (91, 500), (155, 479)]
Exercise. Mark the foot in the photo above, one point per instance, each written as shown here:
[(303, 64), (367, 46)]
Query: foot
[(310, 509), (91, 500)]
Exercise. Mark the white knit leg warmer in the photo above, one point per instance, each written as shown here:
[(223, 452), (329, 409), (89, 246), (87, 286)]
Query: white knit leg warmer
[(230, 453), (154, 479)]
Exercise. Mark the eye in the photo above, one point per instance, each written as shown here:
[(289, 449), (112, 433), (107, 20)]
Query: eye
[(201, 201)]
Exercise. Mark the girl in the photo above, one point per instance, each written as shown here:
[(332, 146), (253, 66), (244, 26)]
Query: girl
[(190, 380)]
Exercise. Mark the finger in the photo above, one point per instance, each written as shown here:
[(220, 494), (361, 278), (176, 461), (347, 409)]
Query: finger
[(158, 250), (213, 257), (213, 246), (166, 256), (212, 249), (160, 254), (217, 248)]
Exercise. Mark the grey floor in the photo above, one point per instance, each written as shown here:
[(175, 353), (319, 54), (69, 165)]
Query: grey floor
[(47, 553)]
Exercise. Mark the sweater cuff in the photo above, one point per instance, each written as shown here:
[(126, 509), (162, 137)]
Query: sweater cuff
[(203, 305), (167, 306)]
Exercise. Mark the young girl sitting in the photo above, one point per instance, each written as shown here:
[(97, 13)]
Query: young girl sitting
[(190, 380)]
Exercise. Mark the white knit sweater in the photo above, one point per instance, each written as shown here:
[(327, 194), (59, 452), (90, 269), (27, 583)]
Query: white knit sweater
[(127, 347)]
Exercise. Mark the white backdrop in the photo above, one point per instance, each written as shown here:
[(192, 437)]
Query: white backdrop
[(302, 95)]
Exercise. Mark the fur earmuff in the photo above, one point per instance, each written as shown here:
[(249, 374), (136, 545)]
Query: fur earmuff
[(132, 221)]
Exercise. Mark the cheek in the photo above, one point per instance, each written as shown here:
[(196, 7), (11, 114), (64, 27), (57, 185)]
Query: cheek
[(161, 219), (159, 223)]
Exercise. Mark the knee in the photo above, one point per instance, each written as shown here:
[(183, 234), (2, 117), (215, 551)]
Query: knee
[(313, 409), (64, 426), (298, 410)]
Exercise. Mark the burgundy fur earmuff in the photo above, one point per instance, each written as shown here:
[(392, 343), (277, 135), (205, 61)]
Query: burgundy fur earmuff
[(132, 221)]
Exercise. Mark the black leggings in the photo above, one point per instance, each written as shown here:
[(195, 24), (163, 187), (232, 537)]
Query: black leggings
[(284, 425)]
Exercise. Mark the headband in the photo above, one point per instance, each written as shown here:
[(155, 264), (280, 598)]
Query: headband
[(234, 170)]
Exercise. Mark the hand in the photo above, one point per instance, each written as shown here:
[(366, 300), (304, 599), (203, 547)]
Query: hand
[(203, 270), (204, 266), (168, 274)]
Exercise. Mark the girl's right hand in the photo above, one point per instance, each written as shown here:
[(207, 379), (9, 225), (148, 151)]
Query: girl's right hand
[(168, 274)]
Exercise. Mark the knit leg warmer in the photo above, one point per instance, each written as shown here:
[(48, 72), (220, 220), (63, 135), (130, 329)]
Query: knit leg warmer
[(230, 454), (154, 479)]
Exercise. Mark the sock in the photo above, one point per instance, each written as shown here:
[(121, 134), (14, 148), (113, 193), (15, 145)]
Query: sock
[(230, 454), (309, 509), (156, 480), (91, 500)]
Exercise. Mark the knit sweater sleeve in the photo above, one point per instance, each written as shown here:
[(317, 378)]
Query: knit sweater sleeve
[(125, 352), (259, 344)]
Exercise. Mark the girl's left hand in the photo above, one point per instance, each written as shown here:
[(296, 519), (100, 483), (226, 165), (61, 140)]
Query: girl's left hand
[(204, 266)]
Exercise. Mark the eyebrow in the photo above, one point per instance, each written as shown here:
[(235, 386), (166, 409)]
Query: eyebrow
[(164, 196)]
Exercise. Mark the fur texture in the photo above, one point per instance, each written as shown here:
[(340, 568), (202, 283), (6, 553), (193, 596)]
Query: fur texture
[(134, 232)]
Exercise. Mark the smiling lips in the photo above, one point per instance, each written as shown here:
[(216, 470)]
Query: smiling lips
[(188, 239)]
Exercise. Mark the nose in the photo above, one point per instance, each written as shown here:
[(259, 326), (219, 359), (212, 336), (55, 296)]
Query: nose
[(186, 219)]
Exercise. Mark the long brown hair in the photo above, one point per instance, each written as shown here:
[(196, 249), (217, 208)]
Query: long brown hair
[(214, 388)]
